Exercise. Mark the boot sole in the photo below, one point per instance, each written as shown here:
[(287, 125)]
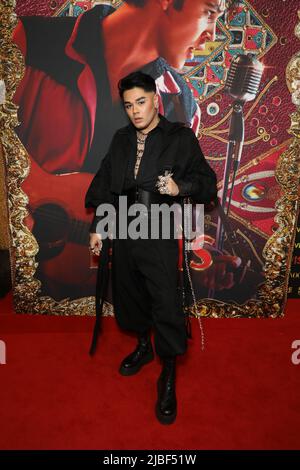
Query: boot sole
[(133, 370), (163, 419)]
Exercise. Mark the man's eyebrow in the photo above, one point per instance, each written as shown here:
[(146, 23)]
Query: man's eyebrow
[(140, 98), (217, 6)]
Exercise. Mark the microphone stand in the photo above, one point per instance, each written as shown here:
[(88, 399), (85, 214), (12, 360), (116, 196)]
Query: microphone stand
[(233, 158)]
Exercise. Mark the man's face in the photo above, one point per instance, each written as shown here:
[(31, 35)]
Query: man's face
[(141, 107), (188, 29)]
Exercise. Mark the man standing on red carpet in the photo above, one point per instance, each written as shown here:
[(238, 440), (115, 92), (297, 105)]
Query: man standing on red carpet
[(152, 161)]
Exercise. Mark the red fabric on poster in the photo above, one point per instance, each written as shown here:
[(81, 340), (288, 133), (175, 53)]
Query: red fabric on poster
[(57, 151)]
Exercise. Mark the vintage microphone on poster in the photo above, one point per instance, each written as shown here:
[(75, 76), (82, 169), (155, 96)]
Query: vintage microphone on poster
[(242, 84)]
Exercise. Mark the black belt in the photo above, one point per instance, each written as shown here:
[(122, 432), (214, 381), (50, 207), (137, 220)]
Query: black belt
[(141, 196)]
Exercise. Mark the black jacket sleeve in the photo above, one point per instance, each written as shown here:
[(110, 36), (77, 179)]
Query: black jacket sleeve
[(99, 190), (199, 181)]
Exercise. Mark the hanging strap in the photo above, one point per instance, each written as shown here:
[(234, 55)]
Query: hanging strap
[(101, 291)]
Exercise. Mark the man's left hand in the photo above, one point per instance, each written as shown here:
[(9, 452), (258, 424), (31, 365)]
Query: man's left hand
[(166, 185)]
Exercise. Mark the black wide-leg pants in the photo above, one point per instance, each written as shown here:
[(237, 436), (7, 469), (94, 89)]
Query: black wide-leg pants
[(146, 291)]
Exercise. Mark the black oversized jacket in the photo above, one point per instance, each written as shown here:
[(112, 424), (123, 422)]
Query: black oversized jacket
[(180, 151)]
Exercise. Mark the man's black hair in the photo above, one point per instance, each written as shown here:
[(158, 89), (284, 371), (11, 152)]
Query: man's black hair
[(136, 79), (136, 3), (178, 4)]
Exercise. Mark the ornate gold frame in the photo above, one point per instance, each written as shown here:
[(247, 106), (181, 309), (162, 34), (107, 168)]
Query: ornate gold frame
[(23, 245)]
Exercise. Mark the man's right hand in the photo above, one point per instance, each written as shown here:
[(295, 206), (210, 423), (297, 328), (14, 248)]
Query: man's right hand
[(220, 275), (215, 270), (95, 243)]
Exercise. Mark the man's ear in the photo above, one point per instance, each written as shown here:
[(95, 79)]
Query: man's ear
[(156, 101)]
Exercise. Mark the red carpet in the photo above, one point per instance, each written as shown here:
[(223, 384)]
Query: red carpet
[(242, 392)]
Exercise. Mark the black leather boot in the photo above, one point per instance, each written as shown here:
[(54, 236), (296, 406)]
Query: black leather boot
[(142, 354), (166, 405)]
